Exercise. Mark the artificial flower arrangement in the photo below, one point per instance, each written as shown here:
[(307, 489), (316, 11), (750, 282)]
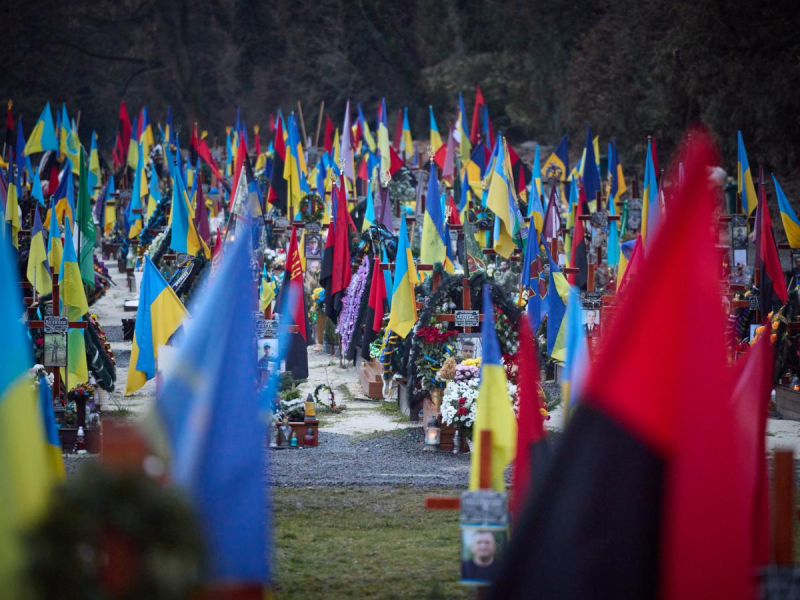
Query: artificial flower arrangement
[(351, 304), (436, 345), (35, 373), (315, 306)]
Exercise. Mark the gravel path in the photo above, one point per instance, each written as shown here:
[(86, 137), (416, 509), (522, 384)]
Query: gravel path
[(396, 458)]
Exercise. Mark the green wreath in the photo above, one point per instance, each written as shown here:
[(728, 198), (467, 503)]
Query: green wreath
[(306, 213), (331, 395), (99, 518)]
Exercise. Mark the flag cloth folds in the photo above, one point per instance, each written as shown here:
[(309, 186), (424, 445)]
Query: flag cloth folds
[(772, 288), (85, 223), (52, 441), (292, 308), (791, 224), (55, 248), (376, 308), (502, 201), (336, 269), (73, 299), (435, 241), (403, 314), (576, 363), (651, 200), (494, 412), (579, 252), (184, 234), (744, 179), (38, 267), (158, 317), (24, 463), (532, 453), (683, 532), (558, 161), (557, 296), (43, 136), (209, 410), (436, 138)]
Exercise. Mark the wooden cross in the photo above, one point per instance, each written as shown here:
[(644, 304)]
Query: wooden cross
[(39, 324)]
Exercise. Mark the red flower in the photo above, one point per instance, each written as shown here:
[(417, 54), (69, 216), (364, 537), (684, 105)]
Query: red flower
[(462, 401), (463, 411)]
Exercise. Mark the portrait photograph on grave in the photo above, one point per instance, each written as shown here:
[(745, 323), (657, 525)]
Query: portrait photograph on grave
[(481, 547), (591, 322), (796, 264), (55, 349), (468, 346), (313, 245), (267, 352)]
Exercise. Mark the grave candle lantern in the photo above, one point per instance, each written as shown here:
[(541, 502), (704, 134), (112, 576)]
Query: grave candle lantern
[(433, 434)]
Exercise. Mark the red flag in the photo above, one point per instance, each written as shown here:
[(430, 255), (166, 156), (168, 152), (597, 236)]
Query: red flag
[(241, 156), (217, 246), (396, 163), (476, 115), (342, 271), (123, 137), (278, 190), (751, 397), (10, 128), (198, 147), (377, 296), (294, 269), (530, 424), (454, 218), (440, 156), (329, 131), (512, 154), (647, 480), (772, 287)]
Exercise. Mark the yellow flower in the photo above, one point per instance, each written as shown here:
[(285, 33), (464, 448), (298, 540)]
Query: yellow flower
[(775, 325), (759, 330), (472, 362)]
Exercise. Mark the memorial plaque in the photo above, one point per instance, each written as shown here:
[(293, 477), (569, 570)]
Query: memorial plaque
[(754, 302), (266, 328), (467, 318), (313, 228), (56, 324)]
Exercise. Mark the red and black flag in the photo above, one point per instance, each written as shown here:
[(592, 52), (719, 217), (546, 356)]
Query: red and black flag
[(643, 498), (278, 190), (579, 256), (336, 270), (772, 292), (193, 146), (376, 307), (199, 147), (123, 140), (477, 113)]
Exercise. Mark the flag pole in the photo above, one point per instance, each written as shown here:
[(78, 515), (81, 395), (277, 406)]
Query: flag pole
[(319, 122)]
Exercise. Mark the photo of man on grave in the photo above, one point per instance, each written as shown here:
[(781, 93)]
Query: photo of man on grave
[(591, 322), (468, 346), (313, 245), (55, 349), (480, 550)]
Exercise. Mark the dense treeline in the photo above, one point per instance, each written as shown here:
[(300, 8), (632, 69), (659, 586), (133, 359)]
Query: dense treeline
[(630, 67)]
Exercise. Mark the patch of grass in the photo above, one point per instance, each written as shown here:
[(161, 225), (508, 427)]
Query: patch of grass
[(377, 434), (365, 543), (344, 393)]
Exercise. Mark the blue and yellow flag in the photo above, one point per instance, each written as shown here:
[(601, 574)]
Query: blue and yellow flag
[(744, 179), (403, 313), (436, 138), (52, 441), (535, 203), (95, 175), (625, 253), (69, 145), (266, 290), (210, 411), (435, 241), (24, 464), (558, 160), (557, 295), (139, 191), (463, 130), (576, 363), (38, 267), (64, 199), (383, 141), (406, 141), (790, 222), (43, 136), (615, 175), (502, 201), (651, 205), (133, 145), (73, 300), (184, 233), (295, 171), (494, 412), (159, 315)]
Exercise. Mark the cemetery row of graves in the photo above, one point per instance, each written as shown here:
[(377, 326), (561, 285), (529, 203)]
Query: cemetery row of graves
[(471, 283)]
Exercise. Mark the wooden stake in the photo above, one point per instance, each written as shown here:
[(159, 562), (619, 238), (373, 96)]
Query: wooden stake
[(485, 466), (302, 121), (783, 507), (590, 279), (319, 122)]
